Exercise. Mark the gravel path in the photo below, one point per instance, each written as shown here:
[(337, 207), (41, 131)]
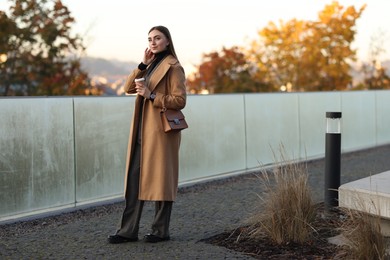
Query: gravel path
[(200, 211)]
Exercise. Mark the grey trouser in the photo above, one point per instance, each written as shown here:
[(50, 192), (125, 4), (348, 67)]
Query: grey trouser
[(129, 224)]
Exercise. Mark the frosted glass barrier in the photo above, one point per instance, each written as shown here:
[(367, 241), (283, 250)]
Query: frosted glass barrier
[(359, 120), (272, 127), (312, 120), (102, 127), (36, 154), (382, 116), (62, 152), (214, 143)]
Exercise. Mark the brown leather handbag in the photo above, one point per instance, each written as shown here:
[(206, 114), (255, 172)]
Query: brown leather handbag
[(172, 120)]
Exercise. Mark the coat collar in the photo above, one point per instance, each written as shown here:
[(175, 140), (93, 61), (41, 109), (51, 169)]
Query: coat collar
[(161, 70)]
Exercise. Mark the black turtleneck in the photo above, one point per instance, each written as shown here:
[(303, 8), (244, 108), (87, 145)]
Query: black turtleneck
[(158, 58)]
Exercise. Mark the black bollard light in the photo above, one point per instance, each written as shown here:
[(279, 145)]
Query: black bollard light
[(332, 158)]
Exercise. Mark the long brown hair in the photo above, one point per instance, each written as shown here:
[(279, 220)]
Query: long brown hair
[(164, 30)]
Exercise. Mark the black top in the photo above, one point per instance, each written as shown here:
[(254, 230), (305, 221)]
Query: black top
[(158, 58)]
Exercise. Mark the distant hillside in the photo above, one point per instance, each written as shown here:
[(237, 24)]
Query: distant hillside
[(114, 70), (104, 67)]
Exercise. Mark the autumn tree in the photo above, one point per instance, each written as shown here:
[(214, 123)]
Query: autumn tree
[(378, 79), (375, 76), (227, 71), (277, 57), (40, 55), (308, 55)]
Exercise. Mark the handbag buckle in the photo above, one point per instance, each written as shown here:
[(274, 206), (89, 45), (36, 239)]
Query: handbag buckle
[(176, 121)]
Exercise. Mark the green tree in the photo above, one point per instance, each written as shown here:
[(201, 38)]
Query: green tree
[(227, 71), (40, 55)]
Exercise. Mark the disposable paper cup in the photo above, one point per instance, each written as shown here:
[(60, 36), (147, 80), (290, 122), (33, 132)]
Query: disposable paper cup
[(140, 79)]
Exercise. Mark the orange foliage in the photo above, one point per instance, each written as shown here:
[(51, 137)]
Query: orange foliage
[(296, 55), (309, 55), (226, 72), (41, 51)]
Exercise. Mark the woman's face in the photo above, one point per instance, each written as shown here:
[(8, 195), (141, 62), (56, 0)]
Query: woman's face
[(157, 41)]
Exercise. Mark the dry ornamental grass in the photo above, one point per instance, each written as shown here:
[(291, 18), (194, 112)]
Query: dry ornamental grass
[(363, 235), (287, 207), (289, 225)]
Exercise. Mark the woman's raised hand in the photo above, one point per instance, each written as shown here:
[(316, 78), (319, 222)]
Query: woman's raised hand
[(148, 57)]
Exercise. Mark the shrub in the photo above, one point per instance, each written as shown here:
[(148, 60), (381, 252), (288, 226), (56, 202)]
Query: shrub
[(287, 208)]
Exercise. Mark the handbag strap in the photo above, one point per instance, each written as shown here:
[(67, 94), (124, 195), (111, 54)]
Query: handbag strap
[(163, 101), (163, 109)]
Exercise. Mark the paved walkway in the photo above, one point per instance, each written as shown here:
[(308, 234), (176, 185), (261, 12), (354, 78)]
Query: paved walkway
[(200, 211)]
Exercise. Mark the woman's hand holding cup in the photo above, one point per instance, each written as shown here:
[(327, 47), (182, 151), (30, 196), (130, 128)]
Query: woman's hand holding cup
[(140, 88)]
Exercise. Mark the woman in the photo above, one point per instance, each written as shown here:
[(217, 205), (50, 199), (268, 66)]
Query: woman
[(153, 156)]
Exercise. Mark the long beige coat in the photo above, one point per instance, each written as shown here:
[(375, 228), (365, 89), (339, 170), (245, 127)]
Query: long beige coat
[(159, 150)]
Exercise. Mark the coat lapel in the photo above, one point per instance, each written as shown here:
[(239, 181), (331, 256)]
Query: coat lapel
[(160, 71)]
